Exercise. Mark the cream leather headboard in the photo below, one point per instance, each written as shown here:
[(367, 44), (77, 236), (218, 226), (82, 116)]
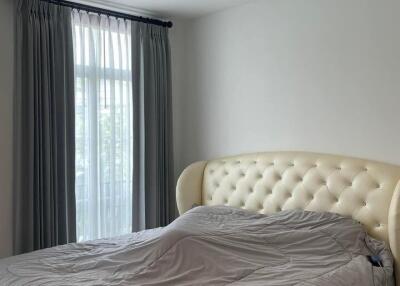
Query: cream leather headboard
[(270, 182)]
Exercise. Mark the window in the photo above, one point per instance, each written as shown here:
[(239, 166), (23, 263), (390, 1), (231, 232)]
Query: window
[(103, 122)]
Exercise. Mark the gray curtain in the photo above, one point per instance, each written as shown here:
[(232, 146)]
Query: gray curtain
[(44, 128), (153, 185)]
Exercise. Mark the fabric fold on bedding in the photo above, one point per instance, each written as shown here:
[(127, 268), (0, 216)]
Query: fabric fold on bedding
[(216, 246)]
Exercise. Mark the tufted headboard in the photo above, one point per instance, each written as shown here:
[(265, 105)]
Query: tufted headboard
[(366, 190)]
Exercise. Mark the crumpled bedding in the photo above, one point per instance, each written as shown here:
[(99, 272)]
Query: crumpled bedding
[(216, 246)]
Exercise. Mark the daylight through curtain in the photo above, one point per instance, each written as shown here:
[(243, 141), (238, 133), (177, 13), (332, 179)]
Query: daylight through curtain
[(103, 123)]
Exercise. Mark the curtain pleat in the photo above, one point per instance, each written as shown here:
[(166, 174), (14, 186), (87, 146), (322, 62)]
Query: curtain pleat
[(153, 185), (44, 176)]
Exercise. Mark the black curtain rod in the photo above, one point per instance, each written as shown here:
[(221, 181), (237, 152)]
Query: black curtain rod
[(97, 10)]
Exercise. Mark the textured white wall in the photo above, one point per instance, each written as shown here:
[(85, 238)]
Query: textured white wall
[(6, 105), (315, 75)]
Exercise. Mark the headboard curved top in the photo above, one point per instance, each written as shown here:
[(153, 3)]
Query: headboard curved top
[(269, 182)]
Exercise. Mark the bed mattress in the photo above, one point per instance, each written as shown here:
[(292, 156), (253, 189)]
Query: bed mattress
[(216, 246)]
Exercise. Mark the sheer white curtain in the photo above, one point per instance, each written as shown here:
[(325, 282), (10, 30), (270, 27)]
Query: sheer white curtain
[(103, 121)]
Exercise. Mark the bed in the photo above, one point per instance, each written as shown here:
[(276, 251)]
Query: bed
[(277, 218), (367, 191)]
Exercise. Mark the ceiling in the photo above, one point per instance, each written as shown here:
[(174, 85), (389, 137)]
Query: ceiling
[(168, 8)]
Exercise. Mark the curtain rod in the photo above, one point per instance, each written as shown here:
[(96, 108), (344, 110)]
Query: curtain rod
[(97, 10)]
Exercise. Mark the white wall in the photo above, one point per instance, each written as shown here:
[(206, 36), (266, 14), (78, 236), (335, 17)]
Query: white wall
[(315, 75), (6, 100)]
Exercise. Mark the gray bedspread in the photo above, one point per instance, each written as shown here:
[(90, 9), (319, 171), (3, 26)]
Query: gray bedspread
[(215, 246)]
